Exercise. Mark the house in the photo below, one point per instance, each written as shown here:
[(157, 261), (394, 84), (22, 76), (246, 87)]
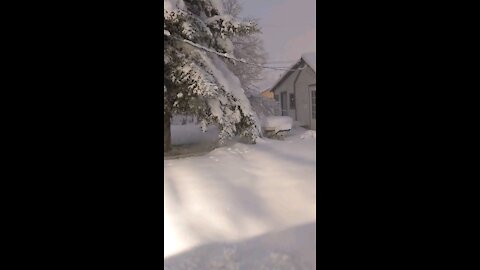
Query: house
[(296, 91)]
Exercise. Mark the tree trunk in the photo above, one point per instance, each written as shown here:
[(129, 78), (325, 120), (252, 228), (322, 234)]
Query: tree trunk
[(167, 137)]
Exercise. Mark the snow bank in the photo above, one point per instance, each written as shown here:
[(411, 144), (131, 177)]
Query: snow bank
[(291, 249), (310, 134), (277, 123), (238, 193)]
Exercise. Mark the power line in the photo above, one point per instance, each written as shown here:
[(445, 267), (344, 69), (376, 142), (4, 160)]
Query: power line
[(225, 55), (281, 62)]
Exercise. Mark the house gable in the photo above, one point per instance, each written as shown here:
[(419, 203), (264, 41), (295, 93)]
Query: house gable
[(298, 84), (308, 60), (286, 76)]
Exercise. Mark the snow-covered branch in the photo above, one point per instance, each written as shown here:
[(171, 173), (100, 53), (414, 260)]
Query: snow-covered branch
[(226, 55)]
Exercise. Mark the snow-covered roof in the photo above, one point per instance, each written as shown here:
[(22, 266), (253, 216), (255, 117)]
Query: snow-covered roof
[(311, 60)]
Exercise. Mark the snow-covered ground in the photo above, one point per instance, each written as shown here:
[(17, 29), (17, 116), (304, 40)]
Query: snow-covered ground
[(242, 206), (192, 134)]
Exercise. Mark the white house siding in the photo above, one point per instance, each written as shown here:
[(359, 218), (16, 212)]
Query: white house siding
[(287, 86), (303, 97)]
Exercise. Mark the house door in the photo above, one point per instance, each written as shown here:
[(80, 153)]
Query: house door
[(313, 106), (283, 103)]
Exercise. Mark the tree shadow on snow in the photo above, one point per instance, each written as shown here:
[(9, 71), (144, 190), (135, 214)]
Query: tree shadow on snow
[(293, 248), (237, 204), (286, 155), (244, 210)]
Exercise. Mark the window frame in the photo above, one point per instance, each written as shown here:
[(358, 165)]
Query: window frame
[(292, 101)]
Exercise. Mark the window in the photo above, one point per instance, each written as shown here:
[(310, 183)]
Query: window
[(292, 101), (276, 97), (314, 104), (283, 103)]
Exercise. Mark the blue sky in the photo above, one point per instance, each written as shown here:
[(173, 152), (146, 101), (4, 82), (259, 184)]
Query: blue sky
[(288, 29)]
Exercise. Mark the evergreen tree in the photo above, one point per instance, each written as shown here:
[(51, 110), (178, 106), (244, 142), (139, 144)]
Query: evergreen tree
[(251, 49), (198, 82)]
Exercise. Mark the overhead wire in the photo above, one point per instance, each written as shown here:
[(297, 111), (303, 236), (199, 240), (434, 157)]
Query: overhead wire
[(225, 55)]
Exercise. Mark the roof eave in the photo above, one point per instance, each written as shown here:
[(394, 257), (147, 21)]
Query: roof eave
[(285, 76)]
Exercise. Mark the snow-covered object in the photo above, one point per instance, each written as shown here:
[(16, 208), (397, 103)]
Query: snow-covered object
[(202, 84), (277, 123), (311, 60), (229, 81)]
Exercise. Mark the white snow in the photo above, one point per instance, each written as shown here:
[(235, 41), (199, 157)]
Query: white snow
[(226, 78), (225, 17), (311, 60), (231, 83), (277, 123), (283, 250), (242, 206), (309, 134), (218, 5), (227, 45), (170, 5)]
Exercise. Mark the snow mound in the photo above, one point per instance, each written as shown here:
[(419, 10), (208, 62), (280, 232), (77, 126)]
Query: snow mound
[(277, 123), (290, 249), (309, 134), (255, 198)]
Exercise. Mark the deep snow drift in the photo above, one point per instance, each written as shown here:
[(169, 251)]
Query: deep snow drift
[(242, 206)]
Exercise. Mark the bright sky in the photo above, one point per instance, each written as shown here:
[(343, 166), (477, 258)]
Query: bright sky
[(288, 30)]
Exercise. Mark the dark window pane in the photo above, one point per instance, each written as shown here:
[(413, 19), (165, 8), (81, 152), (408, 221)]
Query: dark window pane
[(314, 104), (283, 103)]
